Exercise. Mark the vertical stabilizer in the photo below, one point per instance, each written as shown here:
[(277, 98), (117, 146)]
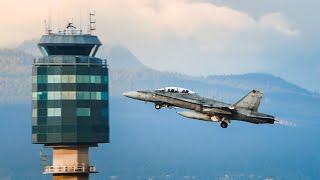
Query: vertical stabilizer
[(251, 101)]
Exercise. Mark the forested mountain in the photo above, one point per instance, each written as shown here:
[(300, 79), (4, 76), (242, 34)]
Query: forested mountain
[(127, 73), (158, 144)]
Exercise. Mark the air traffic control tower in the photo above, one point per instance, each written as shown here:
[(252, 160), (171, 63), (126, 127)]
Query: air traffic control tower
[(70, 110)]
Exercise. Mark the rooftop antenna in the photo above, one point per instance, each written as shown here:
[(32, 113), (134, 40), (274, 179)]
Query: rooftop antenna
[(48, 26), (92, 22), (59, 28), (71, 29), (59, 22), (80, 21), (45, 26)]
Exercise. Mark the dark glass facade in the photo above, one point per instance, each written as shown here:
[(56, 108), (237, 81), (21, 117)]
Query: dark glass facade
[(83, 50), (70, 104)]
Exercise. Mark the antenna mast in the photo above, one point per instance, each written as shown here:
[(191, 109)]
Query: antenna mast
[(92, 22), (47, 27)]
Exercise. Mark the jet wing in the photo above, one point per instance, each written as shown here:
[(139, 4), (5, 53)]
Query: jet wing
[(212, 108), (178, 98), (217, 110)]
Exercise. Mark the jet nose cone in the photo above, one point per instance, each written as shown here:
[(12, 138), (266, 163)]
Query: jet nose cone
[(131, 94), (179, 113)]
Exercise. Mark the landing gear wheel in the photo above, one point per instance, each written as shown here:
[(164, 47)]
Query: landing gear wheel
[(157, 106), (224, 124)]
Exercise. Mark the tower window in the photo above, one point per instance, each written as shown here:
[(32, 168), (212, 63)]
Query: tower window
[(69, 50), (54, 111), (83, 112)]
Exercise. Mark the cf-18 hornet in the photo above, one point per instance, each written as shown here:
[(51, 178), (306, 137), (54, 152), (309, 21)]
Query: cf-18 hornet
[(206, 109)]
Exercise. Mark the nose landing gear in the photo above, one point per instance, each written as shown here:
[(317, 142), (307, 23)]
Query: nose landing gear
[(157, 106), (162, 105)]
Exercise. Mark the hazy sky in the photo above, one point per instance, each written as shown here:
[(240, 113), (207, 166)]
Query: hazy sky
[(192, 37)]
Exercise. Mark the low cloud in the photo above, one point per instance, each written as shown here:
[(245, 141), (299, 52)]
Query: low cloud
[(159, 19), (192, 37), (278, 22), (210, 24)]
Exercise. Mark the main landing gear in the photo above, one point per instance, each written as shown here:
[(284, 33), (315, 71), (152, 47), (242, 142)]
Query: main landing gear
[(224, 124), (223, 121)]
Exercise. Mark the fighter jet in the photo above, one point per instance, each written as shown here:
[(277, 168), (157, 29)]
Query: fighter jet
[(206, 109)]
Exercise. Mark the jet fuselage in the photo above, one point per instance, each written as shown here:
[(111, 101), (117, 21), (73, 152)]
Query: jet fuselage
[(203, 108)]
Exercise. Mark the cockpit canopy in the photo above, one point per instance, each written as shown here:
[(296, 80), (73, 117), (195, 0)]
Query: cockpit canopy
[(175, 90)]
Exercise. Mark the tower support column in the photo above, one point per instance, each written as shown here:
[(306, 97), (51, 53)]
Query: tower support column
[(71, 177), (70, 163)]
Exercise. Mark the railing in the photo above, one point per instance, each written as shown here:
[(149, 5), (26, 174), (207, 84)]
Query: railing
[(69, 169), (104, 62), (68, 32), (70, 60)]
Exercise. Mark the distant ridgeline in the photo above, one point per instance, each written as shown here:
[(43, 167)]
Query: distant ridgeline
[(128, 73)]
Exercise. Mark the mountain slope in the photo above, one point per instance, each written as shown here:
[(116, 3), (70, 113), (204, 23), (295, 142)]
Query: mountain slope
[(152, 144), (127, 73), (15, 76), (115, 56)]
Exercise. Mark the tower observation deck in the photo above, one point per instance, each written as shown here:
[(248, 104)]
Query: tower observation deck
[(70, 107)]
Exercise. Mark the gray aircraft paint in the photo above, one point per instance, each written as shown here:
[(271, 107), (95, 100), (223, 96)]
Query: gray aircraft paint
[(206, 109)]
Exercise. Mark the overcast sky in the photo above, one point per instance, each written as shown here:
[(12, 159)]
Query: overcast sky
[(192, 37)]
